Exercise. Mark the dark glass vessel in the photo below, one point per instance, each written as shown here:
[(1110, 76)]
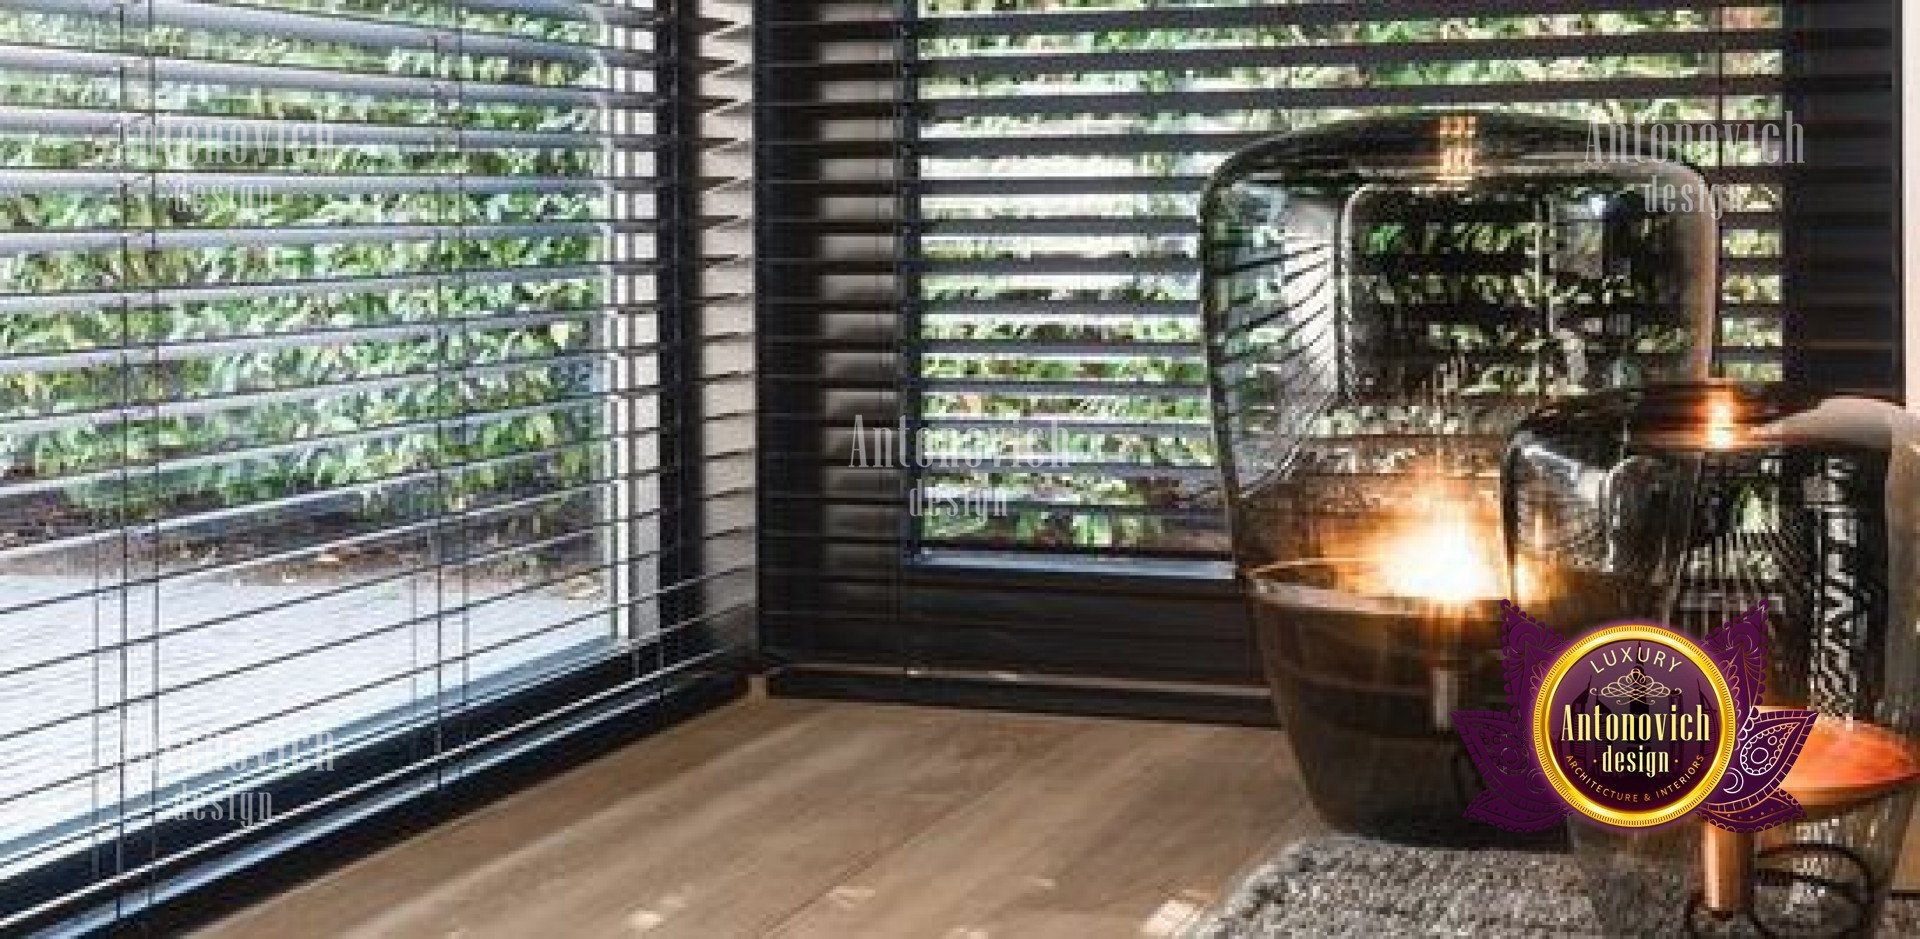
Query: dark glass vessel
[(1384, 300), (1688, 505)]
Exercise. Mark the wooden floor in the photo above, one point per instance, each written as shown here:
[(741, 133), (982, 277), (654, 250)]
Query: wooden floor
[(818, 819), (801, 819)]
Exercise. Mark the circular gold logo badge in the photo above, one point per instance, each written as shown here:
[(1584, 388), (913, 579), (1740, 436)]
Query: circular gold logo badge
[(1634, 725)]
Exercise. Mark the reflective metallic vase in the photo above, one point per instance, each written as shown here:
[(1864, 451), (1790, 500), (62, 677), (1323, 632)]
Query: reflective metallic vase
[(1688, 505), (1384, 300)]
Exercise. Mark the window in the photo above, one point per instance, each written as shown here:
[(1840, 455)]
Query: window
[(1061, 147), (349, 388), (980, 233)]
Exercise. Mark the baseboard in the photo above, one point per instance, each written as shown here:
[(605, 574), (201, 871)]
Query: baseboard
[(1050, 694)]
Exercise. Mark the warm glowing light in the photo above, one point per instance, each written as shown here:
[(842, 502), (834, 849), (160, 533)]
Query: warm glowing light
[(1457, 133), (1722, 421), (1527, 581), (1444, 559)]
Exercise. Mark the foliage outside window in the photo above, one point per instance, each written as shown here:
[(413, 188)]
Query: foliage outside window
[(981, 324), (408, 343)]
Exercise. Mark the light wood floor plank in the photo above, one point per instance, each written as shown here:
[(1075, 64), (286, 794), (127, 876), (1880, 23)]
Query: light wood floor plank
[(680, 835), (1122, 826)]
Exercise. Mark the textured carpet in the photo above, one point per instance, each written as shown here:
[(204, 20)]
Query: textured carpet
[(1344, 886)]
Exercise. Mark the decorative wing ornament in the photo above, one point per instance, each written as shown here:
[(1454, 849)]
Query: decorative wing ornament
[(1749, 797), (1531, 648), (1517, 797), (1763, 752), (1739, 647), (1777, 808)]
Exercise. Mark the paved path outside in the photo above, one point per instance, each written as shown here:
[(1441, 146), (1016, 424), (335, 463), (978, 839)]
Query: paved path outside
[(227, 653)]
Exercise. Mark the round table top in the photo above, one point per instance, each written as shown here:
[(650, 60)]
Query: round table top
[(1848, 761)]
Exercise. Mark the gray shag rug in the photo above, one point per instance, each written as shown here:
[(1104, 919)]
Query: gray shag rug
[(1346, 886)]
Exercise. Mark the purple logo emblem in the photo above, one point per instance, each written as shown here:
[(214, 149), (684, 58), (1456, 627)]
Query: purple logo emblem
[(1634, 725)]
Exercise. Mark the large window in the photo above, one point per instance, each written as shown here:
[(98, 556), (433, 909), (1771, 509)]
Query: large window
[(1061, 149), (979, 236), (336, 396)]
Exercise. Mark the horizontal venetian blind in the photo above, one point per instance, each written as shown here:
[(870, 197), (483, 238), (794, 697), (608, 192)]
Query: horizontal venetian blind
[(375, 400), (981, 228)]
